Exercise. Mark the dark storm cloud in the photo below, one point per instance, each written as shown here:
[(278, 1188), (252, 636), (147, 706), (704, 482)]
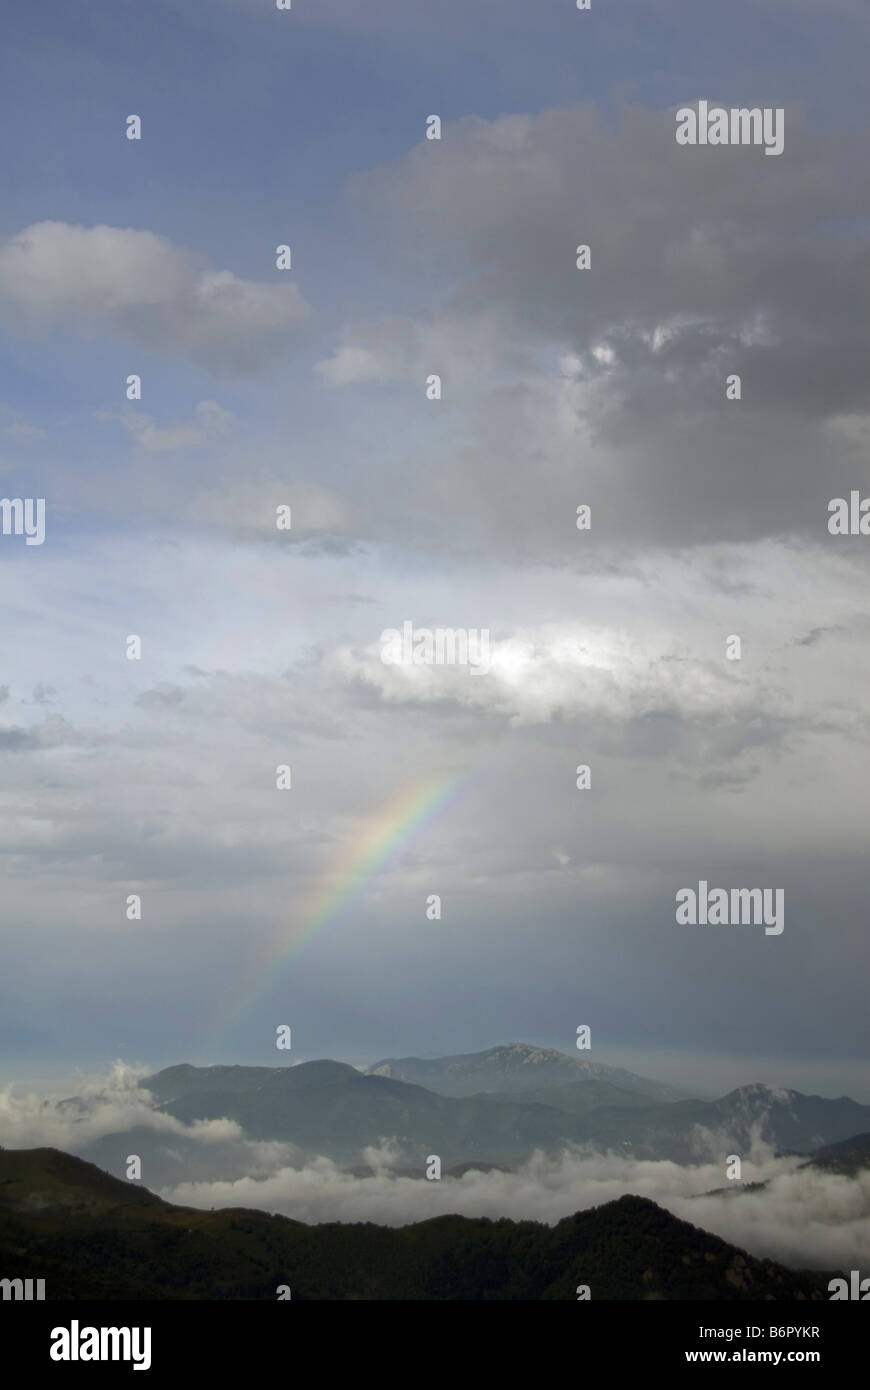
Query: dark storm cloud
[(705, 262)]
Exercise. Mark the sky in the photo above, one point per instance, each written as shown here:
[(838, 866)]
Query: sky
[(261, 648)]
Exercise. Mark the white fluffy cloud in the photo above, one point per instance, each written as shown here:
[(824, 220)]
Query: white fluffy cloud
[(803, 1217), (104, 1105), (643, 649), (135, 286)]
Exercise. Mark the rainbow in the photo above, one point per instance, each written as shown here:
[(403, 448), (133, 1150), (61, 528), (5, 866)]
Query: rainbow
[(353, 865)]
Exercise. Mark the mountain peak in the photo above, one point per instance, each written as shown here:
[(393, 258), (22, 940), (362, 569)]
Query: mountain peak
[(759, 1091), (516, 1066), (524, 1054)]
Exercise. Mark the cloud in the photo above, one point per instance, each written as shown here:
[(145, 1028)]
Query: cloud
[(135, 286), (111, 1116), (25, 434), (104, 1105), (14, 427), (686, 245), (211, 422), (644, 656), (607, 386), (805, 1218), (247, 507), (573, 671), (388, 349), (53, 732)]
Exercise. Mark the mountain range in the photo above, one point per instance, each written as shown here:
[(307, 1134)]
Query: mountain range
[(495, 1107)]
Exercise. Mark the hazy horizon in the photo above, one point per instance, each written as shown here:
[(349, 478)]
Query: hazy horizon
[(696, 1075)]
